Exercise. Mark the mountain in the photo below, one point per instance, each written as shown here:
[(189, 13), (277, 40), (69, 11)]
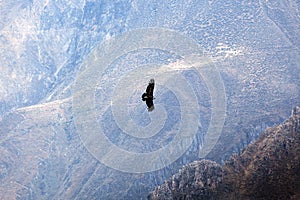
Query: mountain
[(269, 168), (53, 52)]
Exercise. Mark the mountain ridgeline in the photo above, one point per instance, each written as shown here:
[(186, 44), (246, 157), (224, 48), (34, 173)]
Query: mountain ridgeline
[(269, 168)]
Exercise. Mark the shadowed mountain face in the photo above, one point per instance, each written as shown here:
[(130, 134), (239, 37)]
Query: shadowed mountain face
[(267, 169)]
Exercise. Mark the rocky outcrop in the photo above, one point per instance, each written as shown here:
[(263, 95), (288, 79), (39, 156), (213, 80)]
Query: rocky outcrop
[(198, 179), (269, 168)]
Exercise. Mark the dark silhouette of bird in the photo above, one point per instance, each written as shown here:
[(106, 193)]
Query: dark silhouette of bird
[(148, 95)]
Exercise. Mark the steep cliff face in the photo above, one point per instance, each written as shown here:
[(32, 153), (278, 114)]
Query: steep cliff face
[(270, 167), (267, 169)]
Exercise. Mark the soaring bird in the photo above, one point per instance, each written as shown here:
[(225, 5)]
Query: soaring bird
[(148, 95)]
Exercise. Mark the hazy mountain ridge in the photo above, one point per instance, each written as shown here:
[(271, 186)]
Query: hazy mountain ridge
[(269, 168), (43, 44)]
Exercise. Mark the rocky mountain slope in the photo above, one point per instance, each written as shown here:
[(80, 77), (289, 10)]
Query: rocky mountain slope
[(269, 168), (197, 180)]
